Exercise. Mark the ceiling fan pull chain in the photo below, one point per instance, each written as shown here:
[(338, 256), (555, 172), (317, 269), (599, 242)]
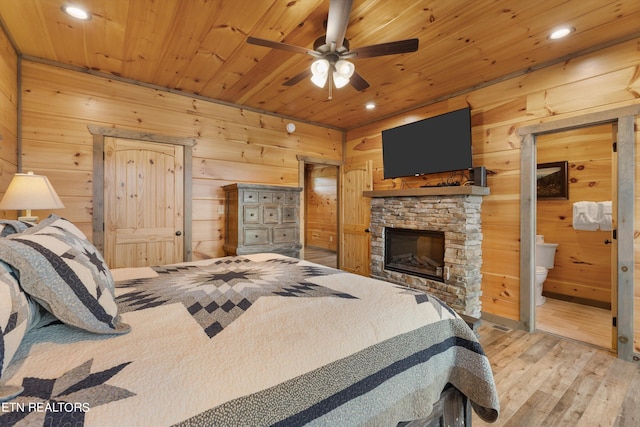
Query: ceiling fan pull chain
[(330, 89)]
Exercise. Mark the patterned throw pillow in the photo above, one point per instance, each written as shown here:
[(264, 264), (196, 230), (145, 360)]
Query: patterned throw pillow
[(11, 226), (14, 316), (66, 274)]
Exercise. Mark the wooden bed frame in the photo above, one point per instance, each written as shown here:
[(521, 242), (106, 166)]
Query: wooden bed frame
[(452, 410)]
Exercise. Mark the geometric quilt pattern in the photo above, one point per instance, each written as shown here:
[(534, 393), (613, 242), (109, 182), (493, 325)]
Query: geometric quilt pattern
[(217, 294), (64, 401)]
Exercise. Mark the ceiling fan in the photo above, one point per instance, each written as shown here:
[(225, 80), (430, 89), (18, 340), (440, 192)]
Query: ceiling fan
[(332, 51)]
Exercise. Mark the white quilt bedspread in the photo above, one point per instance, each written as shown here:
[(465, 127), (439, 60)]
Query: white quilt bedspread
[(253, 340)]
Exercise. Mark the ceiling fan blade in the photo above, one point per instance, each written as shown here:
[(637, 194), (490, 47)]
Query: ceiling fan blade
[(297, 78), (279, 45), (391, 48), (337, 21), (358, 82)]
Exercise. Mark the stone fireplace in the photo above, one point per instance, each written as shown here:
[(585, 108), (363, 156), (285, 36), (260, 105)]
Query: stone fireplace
[(451, 214)]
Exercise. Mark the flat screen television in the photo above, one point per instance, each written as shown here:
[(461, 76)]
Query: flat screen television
[(437, 144)]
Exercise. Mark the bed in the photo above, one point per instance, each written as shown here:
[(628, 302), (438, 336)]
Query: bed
[(249, 340)]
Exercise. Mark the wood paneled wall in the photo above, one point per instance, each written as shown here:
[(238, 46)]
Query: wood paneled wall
[(594, 82), (583, 261), (233, 144), (8, 117), (321, 211)]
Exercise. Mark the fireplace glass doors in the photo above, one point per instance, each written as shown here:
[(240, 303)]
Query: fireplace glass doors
[(415, 252)]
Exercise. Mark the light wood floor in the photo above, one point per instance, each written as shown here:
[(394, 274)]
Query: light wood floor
[(580, 322), (545, 380), (321, 256)]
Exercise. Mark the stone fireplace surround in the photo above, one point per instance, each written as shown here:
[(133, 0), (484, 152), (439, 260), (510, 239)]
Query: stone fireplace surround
[(453, 210)]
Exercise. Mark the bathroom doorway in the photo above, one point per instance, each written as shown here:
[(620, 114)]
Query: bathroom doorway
[(623, 249), (578, 294)]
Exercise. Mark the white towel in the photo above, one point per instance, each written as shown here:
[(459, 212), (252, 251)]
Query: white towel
[(585, 216), (604, 215)]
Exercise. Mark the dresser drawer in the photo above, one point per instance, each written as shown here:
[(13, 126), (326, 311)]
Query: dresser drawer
[(265, 197), (250, 197), (279, 197), (289, 214), (284, 235), (256, 236), (291, 198), (271, 215), (251, 214)]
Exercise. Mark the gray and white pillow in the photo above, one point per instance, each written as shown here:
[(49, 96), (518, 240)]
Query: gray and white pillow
[(11, 226), (14, 316), (66, 274)]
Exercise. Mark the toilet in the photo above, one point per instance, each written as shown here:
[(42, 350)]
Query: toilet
[(545, 255)]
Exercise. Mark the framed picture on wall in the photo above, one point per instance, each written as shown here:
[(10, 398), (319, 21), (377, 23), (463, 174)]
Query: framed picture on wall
[(553, 181)]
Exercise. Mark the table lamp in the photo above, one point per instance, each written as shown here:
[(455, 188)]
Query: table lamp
[(28, 191)]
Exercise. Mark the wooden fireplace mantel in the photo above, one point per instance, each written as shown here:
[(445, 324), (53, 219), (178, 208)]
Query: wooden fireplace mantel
[(458, 190)]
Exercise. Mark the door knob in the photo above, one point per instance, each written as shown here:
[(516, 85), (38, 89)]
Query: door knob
[(178, 233), (607, 242), (366, 230)]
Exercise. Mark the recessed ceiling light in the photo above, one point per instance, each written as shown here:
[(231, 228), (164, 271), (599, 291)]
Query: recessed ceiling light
[(370, 105), (561, 32), (76, 12)]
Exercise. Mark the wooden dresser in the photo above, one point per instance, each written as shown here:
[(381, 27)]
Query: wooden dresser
[(262, 218)]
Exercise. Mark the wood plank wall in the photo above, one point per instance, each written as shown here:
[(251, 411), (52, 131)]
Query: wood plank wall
[(233, 144), (597, 81), (321, 187), (8, 117)]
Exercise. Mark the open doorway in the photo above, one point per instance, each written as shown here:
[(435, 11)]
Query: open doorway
[(321, 214), (623, 234), (575, 169), (320, 180)]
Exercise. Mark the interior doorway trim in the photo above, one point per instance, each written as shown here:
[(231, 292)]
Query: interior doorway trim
[(99, 134), (625, 118), (302, 160)]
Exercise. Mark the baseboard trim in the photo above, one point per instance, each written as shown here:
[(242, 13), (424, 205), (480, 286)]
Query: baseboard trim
[(577, 300)]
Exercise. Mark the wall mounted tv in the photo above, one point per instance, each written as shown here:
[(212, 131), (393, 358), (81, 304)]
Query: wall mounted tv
[(437, 144)]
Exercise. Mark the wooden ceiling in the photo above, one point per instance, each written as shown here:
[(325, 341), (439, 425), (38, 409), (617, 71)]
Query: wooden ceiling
[(199, 46)]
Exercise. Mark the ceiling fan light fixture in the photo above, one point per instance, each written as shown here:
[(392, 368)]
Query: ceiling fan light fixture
[(320, 72), (343, 72)]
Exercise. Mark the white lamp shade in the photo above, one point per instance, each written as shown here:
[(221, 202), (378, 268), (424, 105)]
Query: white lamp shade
[(320, 72), (343, 72), (339, 81), (28, 191)]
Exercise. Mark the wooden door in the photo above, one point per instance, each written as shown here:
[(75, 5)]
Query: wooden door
[(143, 203), (356, 211)]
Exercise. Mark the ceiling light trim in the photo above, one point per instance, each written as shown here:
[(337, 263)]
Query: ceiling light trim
[(76, 12), (561, 32)]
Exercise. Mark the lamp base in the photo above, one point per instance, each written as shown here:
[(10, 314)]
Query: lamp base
[(31, 219)]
